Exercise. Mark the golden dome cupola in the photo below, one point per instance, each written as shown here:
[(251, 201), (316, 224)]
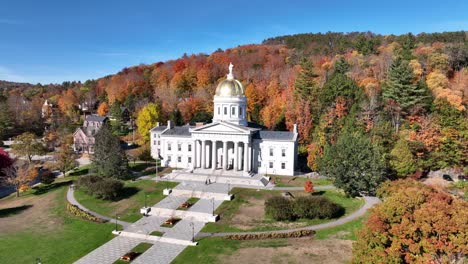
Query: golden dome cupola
[(230, 103)]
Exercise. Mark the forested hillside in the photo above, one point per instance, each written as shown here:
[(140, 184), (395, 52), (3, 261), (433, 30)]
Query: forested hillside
[(406, 95)]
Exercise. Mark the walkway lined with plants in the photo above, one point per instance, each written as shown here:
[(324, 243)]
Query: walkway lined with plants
[(163, 252)]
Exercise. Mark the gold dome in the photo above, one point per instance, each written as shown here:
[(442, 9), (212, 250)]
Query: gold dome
[(229, 87)]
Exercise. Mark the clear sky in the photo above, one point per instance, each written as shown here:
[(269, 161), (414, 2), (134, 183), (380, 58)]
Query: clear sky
[(57, 40)]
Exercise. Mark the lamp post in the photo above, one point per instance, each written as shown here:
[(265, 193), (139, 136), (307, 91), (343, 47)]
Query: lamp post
[(38, 261), (146, 195), (193, 231), (116, 217), (212, 202)]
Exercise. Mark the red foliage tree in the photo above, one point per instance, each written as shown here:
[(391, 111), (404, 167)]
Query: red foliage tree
[(308, 187)]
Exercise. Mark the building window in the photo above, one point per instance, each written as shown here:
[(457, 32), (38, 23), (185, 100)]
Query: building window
[(283, 165), (189, 159), (225, 110), (189, 148), (155, 142), (233, 111), (283, 153), (169, 159), (240, 111), (271, 165), (219, 110), (179, 159), (179, 147), (259, 164), (271, 152), (169, 146)]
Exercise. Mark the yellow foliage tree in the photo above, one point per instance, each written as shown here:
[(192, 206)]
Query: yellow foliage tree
[(103, 109), (147, 118)]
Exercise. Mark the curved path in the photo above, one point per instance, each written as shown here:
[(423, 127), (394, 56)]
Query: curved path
[(369, 202), (71, 199)]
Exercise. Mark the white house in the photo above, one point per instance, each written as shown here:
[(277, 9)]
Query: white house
[(229, 143)]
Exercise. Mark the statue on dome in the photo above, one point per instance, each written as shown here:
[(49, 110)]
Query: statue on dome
[(230, 68)]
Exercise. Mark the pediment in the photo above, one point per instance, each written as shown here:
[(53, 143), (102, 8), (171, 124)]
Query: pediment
[(221, 128)]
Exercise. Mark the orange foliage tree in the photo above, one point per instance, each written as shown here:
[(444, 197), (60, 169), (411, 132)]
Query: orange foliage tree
[(103, 109)]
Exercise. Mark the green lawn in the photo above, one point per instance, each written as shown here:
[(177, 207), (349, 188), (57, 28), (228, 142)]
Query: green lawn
[(228, 209), (127, 208), (66, 243), (288, 181)]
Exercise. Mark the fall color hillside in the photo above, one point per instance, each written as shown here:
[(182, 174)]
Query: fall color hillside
[(408, 94)]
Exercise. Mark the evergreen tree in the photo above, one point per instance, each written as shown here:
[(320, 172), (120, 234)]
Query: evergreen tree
[(341, 66), (339, 85), (354, 164), (305, 86), (401, 93), (109, 159)]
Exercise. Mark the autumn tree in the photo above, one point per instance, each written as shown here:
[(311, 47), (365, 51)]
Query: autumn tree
[(27, 145), (103, 109), (65, 156), (147, 118), (414, 224), (109, 158), (400, 92), (401, 158), (354, 164), (5, 160), (308, 186), (19, 176)]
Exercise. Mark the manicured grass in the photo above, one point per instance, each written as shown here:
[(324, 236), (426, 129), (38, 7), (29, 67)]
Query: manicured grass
[(127, 208), (209, 249), (288, 181), (156, 233), (228, 209), (347, 231), (66, 243), (140, 248), (80, 171)]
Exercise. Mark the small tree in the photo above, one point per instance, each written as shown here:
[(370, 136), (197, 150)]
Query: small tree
[(308, 187), (65, 157), (147, 118), (354, 163), (109, 158), (27, 145), (19, 176)]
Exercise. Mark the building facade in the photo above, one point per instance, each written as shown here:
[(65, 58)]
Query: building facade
[(230, 143), (83, 138)]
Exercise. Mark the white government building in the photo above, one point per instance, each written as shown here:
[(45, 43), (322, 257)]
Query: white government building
[(229, 143)]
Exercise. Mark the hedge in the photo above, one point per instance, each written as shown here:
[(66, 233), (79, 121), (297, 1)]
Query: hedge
[(75, 210), (271, 235)]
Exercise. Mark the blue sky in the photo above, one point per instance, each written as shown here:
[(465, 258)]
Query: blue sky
[(56, 40)]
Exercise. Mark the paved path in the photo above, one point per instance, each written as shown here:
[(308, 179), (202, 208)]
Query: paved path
[(71, 199), (185, 229), (369, 202)]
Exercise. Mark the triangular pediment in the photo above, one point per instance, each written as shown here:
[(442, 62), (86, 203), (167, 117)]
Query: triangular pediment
[(221, 127)]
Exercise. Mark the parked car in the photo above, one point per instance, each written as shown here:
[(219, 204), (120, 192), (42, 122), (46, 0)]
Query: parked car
[(462, 178), (447, 177)]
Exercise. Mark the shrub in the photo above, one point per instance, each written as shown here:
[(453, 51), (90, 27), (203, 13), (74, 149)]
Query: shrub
[(271, 235), (316, 207), (47, 177), (101, 188), (75, 210), (279, 208), (308, 187)]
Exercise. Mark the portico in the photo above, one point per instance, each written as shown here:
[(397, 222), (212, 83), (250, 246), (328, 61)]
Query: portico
[(222, 146)]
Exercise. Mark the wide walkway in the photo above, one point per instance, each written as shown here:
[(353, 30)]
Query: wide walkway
[(174, 239)]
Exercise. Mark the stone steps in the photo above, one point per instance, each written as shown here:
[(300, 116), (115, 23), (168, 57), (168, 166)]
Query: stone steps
[(200, 194), (188, 215), (153, 239)]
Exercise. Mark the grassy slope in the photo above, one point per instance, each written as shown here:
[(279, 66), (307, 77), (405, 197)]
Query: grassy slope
[(129, 207), (70, 241)]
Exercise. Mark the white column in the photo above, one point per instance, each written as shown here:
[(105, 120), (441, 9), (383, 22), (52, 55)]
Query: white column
[(194, 164), (203, 154), (246, 157), (213, 155), (250, 157), (225, 153), (236, 155)]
